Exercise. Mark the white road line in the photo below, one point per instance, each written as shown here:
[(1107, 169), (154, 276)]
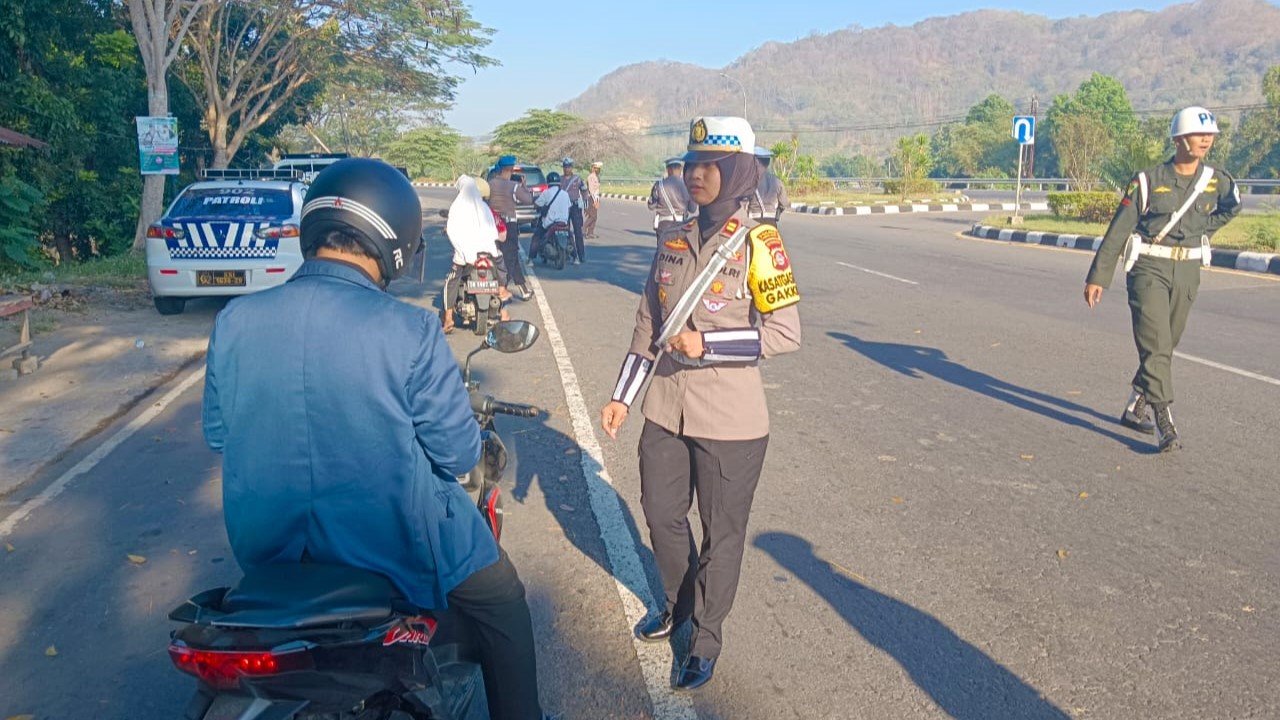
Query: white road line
[(1228, 368), (873, 272), (628, 572), (97, 455)]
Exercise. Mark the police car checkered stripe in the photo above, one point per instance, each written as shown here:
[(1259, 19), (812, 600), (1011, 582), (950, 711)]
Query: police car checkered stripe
[(199, 241), (363, 211)]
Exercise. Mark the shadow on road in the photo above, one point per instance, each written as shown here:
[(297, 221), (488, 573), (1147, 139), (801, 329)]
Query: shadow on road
[(916, 361), (965, 682)]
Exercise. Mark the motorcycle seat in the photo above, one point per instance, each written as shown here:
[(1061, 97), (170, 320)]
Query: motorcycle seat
[(557, 227), (307, 595)]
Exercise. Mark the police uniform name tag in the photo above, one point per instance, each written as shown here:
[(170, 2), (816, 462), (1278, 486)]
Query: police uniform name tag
[(772, 282)]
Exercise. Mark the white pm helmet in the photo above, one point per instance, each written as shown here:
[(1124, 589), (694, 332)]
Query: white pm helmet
[(1192, 120)]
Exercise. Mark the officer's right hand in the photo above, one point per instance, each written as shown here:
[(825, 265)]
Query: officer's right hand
[(1092, 294), (612, 416)]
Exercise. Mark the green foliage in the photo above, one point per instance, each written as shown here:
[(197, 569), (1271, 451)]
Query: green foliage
[(20, 207), (427, 152), (1264, 231), (1084, 206), (913, 160), (856, 166), (1255, 146), (1142, 148), (979, 144), (525, 136)]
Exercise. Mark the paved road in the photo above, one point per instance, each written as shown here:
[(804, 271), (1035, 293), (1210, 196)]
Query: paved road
[(951, 524)]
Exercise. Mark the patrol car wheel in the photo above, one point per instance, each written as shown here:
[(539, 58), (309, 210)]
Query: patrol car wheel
[(170, 305)]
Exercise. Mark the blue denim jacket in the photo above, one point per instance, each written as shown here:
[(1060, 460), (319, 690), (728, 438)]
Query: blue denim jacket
[(343, 424)]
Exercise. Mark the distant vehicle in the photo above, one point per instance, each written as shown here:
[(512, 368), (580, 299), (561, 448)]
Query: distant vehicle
[(308, 165), (233, 234), (534, 180)]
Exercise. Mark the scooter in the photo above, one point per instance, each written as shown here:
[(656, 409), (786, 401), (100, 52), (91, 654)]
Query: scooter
[(313, 641), (557, 246), (478, 302)]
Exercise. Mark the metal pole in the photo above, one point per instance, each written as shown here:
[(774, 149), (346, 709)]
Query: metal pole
[(1017, 194), (741, 87)]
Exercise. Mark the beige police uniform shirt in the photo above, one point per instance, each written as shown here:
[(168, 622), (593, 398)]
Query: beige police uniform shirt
[(721, 395)]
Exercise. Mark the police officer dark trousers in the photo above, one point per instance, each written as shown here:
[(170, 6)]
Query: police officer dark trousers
[(719, 297), (577, 190), (1161, 230), (504, 194)]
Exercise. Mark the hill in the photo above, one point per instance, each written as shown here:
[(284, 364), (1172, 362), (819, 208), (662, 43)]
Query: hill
[(858, 88)]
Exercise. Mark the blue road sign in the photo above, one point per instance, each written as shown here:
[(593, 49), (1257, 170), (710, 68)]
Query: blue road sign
[(1024, 129)]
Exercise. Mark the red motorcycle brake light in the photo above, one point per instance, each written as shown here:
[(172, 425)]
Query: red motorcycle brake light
[(484, 263), (222, 669)]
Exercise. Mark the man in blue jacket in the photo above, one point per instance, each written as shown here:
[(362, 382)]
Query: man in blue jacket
[(343, 424)]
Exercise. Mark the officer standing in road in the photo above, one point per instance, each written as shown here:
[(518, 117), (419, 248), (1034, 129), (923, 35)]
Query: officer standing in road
[(1162, 230), (770, 199), (669, 199), (504, 194), (572, 183), (593, 200), (720, 296)]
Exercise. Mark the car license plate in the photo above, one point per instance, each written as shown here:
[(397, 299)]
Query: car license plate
[(220, 278), (482, 286)]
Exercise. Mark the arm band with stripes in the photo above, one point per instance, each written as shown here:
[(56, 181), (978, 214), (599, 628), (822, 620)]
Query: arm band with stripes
[(634, 371), (731, 345)]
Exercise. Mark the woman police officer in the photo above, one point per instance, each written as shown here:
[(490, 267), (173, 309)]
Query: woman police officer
[(719, 297)]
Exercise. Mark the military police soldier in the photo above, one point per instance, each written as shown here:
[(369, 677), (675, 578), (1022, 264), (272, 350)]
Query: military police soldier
[(504, 194), (719, 297), (669, 199), (770, 199), (1162, 230)]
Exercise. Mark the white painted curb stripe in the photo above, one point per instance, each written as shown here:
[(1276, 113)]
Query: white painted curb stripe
[(624, 561), (97, 455)]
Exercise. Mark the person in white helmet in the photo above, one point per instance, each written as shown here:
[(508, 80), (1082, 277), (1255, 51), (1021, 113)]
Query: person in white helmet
[(1162, 230)]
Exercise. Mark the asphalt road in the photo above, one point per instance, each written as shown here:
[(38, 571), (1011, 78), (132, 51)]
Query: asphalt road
[(950, 523)]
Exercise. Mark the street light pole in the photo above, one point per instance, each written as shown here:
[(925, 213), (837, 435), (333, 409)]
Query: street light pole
[(740, 87)]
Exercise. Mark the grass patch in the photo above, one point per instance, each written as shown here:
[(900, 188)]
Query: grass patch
[(119, 271), (1257, 232)]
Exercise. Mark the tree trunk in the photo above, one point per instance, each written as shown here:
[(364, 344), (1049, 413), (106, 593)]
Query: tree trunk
[(218, 138), (152, 185)]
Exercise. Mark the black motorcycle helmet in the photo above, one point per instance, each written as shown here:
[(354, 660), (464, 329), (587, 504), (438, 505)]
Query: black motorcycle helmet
[(553, 178), (374, 200)]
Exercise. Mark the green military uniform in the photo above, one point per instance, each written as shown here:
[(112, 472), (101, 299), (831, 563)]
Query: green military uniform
[(1161, 290)]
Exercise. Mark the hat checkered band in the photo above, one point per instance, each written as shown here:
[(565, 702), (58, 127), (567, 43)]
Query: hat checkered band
[(723, 140)]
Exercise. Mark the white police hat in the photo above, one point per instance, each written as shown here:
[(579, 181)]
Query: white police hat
[(675, 160), (715, 137)]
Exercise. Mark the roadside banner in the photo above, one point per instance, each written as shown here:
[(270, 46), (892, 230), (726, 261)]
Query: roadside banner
[(158, 145)]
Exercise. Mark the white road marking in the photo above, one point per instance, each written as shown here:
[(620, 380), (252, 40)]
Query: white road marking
[(873, 272), (103, 450), (1228, 368), (628, 572)]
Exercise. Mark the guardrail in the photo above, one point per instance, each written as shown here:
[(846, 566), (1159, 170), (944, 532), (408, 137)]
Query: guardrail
[(1035, 184)]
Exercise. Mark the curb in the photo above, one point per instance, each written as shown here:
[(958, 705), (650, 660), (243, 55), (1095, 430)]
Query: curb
[(914, 208), (1243, 260)]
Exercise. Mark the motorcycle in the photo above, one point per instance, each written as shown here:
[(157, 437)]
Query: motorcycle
[(478, 302), (557, 246), (313, 641)]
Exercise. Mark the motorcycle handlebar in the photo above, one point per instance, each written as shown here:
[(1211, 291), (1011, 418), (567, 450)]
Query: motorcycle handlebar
[(485, 404)]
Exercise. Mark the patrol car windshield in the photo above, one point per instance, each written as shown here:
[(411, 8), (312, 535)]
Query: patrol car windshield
[(237, 202)]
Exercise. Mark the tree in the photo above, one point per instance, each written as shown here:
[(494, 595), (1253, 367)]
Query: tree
[(247, 60), (1083, 142), (980, 145), (159, 27), (913, 160), (857, 166), (525, 136), (589, 140), (427, 152), (1255, 150), (1103, 100)]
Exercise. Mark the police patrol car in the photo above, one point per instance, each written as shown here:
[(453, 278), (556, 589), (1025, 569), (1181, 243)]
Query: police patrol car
[(232, 234)]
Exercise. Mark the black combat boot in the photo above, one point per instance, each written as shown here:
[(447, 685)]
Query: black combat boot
[(1166, 433), (1137, 414)]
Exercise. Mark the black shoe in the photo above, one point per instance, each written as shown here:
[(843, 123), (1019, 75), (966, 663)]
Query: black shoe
[(1166, 433), (695, 673), (1137, 414), (656, 629)]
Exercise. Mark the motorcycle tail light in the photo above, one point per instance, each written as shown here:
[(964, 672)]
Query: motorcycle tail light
[(484, 263), (222, 669)]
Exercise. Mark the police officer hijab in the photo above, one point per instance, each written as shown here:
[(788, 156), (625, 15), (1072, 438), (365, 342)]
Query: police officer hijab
[(739, 177)]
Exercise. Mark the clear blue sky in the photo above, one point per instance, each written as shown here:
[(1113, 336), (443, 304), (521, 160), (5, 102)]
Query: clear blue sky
[(532, 40)]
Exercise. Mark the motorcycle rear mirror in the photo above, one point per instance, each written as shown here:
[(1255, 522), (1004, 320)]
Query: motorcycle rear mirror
[(512, 336)]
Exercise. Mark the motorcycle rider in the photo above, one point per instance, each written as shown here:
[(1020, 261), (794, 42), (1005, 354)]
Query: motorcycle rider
[(472, 228), (553, 205), (343, 424)]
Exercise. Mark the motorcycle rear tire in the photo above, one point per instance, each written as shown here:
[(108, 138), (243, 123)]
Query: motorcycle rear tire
[(559, 262)]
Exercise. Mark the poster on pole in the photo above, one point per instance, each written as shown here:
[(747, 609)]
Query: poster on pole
[(158, 145)]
